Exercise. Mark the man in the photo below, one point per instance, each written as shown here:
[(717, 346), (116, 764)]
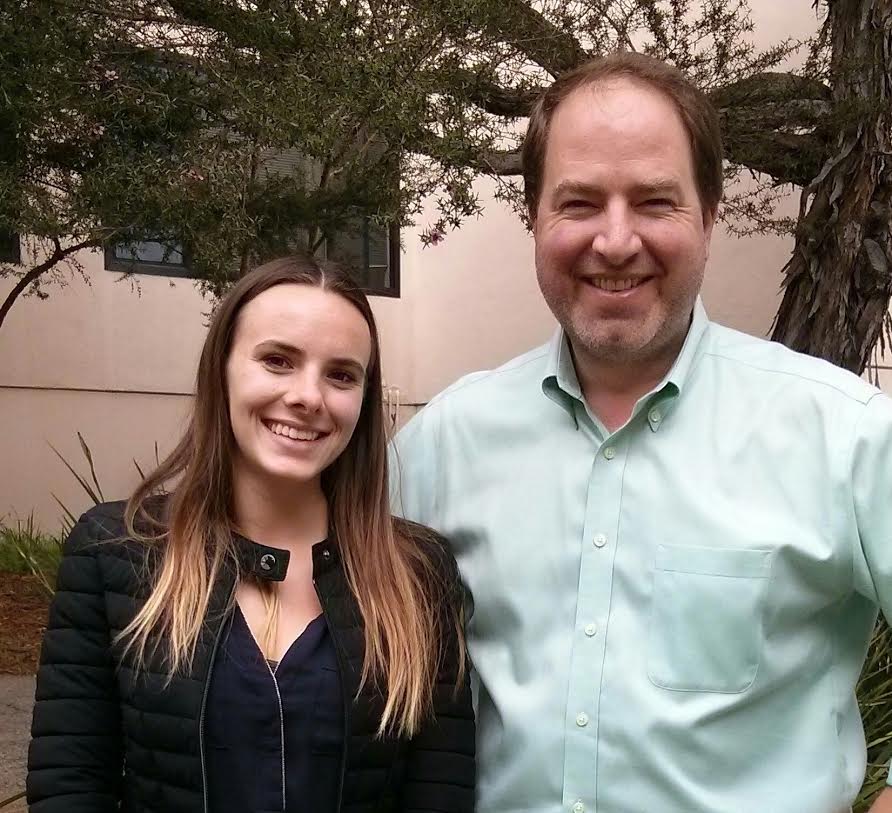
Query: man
[(676, 536)]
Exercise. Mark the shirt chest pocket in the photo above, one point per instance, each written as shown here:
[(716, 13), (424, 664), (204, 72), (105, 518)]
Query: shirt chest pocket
[(706, 626)]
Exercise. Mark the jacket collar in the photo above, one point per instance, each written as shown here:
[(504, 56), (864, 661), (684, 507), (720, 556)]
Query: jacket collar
[(271, 564)]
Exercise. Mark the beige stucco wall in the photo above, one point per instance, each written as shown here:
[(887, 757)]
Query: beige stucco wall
[(118, 365)]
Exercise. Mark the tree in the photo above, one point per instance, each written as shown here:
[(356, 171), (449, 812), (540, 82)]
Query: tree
[(839, 279), (127, 118)]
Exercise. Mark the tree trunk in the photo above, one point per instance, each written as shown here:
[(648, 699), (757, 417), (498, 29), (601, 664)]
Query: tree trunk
[(838, 282)]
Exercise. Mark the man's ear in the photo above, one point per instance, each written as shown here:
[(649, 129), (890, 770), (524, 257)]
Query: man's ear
[(709, 218)]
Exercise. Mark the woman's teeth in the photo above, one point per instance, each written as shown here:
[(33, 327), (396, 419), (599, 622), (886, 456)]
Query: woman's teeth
[(291, 432)]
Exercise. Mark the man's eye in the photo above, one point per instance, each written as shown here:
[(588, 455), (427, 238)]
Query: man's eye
[(658, 202)]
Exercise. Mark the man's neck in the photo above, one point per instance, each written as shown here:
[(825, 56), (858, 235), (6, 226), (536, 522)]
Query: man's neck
[(611, 390)]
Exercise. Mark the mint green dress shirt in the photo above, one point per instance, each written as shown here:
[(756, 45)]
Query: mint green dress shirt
[(669, 618)]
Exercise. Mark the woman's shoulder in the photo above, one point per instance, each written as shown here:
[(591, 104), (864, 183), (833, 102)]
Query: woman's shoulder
[(100, 523), (103, 526)]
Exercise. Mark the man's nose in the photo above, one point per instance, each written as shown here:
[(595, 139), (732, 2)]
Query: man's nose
[(616, 240)]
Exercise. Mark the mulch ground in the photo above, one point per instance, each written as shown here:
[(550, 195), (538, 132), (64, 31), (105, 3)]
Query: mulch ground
[(23, 613)]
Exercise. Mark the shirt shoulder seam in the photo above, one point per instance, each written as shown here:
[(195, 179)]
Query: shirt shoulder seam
[(792, 374)]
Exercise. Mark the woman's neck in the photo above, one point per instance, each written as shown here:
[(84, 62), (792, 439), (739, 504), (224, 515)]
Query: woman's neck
[(290, 517)]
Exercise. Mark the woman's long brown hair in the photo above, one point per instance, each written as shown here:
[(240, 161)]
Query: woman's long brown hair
[(390, 566)]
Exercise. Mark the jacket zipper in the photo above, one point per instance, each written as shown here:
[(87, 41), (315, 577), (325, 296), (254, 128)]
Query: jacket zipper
[(204, 702), (272, 674), (343, 672)]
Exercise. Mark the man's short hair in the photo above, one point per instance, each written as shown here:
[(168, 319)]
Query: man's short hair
[(696, 112)]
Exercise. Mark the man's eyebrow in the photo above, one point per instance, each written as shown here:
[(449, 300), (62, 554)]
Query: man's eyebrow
[(569, 188), (659, 184), (666, 184)]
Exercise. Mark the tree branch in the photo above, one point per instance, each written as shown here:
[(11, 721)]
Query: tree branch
[(31, 276), (775, 123), (516, 23), (495, 99)]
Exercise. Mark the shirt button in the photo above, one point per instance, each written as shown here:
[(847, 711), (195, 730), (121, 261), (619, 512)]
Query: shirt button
[(326, 554), (582, 719), (591, 629), (578, 807), (267, 562), (610, 453), (600, 540), (655, 416)]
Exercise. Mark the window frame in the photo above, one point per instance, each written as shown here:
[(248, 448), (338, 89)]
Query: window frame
[(116, 264)]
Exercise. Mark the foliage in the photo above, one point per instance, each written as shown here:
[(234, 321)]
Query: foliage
[(24, 549), (875, 701), (239, 130)]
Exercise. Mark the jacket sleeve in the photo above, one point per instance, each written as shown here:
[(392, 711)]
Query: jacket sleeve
[(75, 758), (441, 759)]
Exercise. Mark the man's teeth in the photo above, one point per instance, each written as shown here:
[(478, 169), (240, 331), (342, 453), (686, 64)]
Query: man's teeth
[(291, 432), (614, 284)]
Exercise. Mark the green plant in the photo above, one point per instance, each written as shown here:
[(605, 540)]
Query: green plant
[(875, 701), (91, 487), (23, 548)]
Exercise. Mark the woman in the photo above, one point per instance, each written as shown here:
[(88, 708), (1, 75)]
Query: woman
[(265, 636)]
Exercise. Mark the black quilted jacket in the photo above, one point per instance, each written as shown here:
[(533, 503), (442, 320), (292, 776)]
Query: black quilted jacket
[(105, 738)]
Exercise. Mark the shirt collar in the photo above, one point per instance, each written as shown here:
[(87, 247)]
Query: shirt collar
[(561, 384)]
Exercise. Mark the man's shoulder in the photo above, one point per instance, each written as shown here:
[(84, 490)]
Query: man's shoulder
[(764, 359)]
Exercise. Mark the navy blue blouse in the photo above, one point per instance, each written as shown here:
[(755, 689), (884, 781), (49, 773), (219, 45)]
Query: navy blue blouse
[(274, 732)]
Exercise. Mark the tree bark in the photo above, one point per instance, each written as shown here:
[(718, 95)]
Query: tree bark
[(838, 282)]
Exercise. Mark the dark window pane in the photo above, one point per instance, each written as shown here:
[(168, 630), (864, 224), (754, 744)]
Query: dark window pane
[(366, 250), (150, 251), (348, 248), (10, 249)]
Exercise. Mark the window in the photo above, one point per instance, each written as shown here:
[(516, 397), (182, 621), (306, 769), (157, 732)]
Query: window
[(10, 247), (148, 257), (372, 252), (369, 250)]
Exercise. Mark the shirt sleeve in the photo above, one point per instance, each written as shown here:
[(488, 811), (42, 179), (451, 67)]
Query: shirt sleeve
[(414, 469), (75, 758), (871, 477)]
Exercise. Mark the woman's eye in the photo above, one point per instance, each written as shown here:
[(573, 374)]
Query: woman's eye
[(276, 362), (343, 377)]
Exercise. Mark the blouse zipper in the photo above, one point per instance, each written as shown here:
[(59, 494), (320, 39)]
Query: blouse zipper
[(281, 728)]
